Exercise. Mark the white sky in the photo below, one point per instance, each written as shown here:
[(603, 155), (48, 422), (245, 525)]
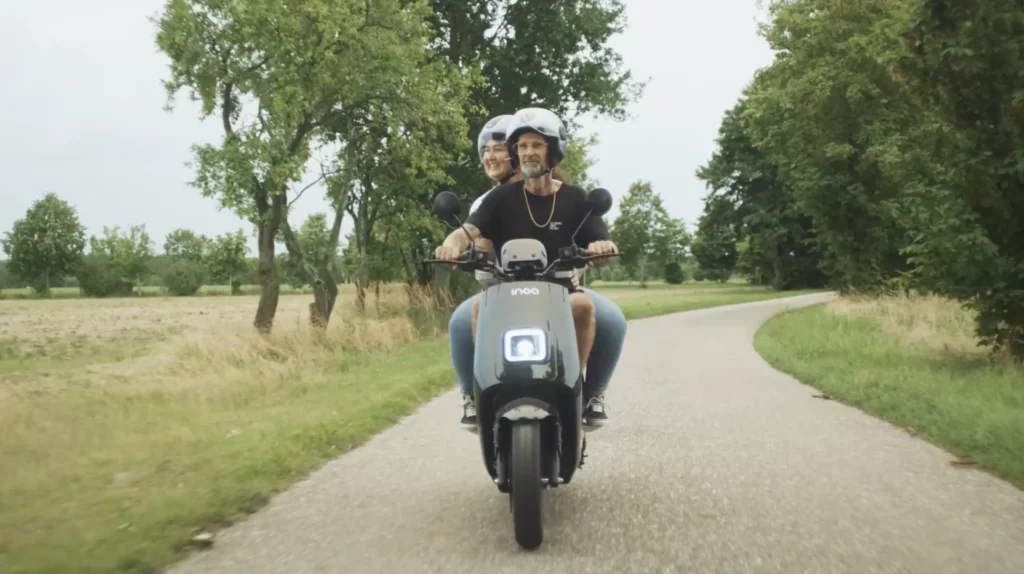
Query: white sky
[(83, 111)]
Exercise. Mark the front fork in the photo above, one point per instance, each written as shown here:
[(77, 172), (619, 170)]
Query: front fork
[(551, 430), (555, 458)]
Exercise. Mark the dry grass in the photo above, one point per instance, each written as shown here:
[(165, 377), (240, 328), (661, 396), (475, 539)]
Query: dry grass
[(928, 321), (201, 342), (30, 319)]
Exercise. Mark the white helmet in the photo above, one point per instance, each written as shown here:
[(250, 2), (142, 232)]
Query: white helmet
[(494, 130), (539, 121)]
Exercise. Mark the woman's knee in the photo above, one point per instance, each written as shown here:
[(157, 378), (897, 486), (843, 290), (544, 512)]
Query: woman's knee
[(582, 306), (460, 320), (610, 318)]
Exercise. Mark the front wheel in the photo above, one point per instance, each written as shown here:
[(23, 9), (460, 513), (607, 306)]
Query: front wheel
[(527, 488)]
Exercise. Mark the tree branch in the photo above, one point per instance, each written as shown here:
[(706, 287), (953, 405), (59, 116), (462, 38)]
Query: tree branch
[(367, 24), (257, 65), (339, 215), (291, 241), (263, 121), (305, 126), (502, 25), (227, 109), (298, 195)]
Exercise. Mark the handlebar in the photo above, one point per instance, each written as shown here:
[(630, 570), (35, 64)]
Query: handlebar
[(466, 258), (473, 260)]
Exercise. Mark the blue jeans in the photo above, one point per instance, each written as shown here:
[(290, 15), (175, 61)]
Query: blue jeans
[(608, 338)]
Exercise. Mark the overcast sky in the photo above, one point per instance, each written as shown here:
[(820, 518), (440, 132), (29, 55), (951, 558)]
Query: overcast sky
[(83, 111)]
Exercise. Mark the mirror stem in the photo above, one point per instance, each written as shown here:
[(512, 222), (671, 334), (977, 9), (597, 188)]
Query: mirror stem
[(581, 226)]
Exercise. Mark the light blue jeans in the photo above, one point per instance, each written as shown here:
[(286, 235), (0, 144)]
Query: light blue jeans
[(608, 338)]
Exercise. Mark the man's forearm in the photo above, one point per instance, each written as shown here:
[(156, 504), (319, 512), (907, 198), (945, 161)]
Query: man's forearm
[(458, 238)]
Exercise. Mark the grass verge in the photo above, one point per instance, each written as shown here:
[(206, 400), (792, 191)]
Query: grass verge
[(120, 443), (662, 302), (120, 481), (914, 362)]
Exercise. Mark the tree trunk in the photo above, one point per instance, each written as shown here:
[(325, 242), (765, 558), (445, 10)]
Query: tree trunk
[(361, 281), (360, 295), (324, 302), (318, 273), (270, 289), (325, 293)]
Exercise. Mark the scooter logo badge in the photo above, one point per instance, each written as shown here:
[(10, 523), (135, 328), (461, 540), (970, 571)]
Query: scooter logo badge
[(525, 291)]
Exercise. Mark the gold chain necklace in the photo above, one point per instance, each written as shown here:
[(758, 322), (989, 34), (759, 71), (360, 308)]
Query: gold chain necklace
[(530, 211)]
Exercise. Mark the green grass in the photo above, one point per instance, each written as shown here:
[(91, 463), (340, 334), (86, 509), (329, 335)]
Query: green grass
[(669, 303), (117, 455), (919, 374), (135, 474)]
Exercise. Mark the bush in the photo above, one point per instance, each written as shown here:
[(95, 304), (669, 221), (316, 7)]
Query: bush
[(183, 277), (674, 273), (719, 275), (98, 277)]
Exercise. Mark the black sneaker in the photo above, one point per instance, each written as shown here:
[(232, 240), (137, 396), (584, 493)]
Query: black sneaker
[(594, 413), (468, 413)]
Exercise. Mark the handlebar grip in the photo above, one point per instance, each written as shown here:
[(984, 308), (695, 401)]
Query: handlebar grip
[(589, 255), (464, 257)]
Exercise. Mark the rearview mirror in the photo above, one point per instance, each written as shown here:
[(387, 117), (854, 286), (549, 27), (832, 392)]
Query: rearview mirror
[(599, 200), (447, 206)]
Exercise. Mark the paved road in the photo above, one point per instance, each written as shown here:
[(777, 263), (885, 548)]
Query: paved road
[(714, 463)]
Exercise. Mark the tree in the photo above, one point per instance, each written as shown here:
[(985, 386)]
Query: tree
[(532, 53), (674, 274), (778, 247), (318, 244), (828, 114), (298, 67), (117, 262), (184, 273), (577, 161), (46, 245), (396, 151), (185, 244), (714, 242), (884, 139), (183, 277), (964, 59), (644, 232), (675, 240), (225, 259)]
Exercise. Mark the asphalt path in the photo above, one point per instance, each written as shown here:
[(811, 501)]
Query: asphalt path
[(712, 462)]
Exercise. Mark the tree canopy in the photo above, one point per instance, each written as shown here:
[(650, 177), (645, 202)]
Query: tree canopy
[(881, 149)]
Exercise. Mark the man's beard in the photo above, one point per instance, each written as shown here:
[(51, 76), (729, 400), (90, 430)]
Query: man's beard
[(531, 170)]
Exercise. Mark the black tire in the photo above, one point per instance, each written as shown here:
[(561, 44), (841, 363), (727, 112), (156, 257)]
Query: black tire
[(527, 490)]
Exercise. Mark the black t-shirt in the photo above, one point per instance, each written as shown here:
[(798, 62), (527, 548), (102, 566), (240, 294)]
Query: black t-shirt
[(502, 216)]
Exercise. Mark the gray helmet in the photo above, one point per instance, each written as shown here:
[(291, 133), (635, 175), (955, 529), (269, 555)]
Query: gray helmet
[(540, 121), (494, 130)]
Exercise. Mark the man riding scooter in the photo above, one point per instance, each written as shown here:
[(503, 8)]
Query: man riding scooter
[(542, 208)]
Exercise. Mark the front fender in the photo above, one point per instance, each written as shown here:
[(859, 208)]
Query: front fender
[(518, 305)]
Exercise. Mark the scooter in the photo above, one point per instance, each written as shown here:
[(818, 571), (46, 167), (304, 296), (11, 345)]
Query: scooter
[(527, 380)]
